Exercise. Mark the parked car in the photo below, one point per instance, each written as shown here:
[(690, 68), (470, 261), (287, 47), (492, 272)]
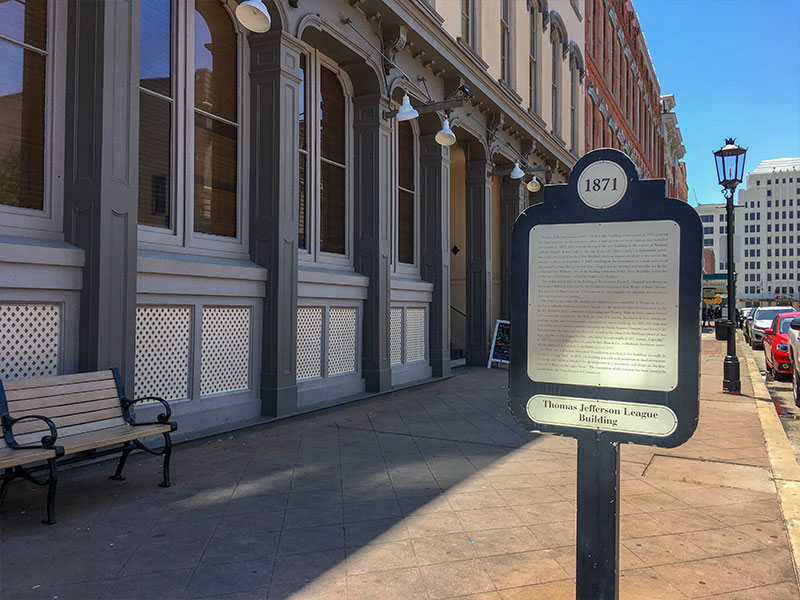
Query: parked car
[(743, 314), (762, 318), (794, 356), (776, 345), (746, 326)]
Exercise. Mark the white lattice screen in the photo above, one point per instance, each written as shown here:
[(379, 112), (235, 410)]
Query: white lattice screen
[(415, 334), (163, 334), (341, 340), (396, 334), (309, 342), (30, 340), (225, 358)]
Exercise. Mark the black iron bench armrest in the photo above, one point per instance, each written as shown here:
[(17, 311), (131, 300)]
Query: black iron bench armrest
[(161, 419), (48, 441)]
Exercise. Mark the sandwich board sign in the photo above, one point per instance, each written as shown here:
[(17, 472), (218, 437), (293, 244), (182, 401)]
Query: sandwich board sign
[(605, 279)]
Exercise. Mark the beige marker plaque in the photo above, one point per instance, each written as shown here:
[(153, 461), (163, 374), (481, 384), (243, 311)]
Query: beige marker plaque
[(603, 415), (603, 304)]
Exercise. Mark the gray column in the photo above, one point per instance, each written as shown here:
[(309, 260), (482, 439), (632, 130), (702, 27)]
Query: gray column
[(479, 260), (372, 193), (274, 209), (101, 176), (512, 202), (434, 182)]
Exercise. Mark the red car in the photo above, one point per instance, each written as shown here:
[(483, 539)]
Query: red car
[(776, 349)]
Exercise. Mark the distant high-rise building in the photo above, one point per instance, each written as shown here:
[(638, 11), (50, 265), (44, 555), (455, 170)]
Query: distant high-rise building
[(624, 106), (769, 226)]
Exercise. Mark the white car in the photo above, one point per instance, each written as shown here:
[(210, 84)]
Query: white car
[(762, 318)]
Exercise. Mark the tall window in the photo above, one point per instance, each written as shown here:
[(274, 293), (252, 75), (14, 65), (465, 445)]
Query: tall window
[(556, 97), (573, 105), (505, 41), (324, 161), (406, 192), (533, 60), (200, 160), (23, 56), (466, 21)]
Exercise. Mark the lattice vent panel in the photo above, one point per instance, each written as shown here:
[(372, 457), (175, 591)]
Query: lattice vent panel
[(396, 334), (415, 334), (30, 340), (341, 340), (225, 359), (309, 342), (163, 334)]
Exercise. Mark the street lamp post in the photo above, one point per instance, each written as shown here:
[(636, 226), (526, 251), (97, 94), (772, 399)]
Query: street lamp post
[(730, 171)]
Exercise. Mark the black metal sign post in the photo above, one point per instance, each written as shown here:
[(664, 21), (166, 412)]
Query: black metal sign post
[(605, 279)]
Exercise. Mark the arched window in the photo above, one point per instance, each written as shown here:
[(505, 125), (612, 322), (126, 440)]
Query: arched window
[(190, 176), (533, 60), (324, 172), (556, 80), (506, 47), (468, 22), (406, 193), (23, 76)]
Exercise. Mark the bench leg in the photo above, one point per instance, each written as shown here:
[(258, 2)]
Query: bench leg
[(9, 475), (52, 480), (167, 454), (117, 476)]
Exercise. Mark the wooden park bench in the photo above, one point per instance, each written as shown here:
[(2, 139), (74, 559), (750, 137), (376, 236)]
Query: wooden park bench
[(69, 418)]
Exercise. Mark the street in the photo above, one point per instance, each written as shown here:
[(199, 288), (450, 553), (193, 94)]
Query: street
[(781, 392)]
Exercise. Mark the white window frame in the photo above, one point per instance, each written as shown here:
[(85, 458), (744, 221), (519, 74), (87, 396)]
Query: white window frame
[(47, 222), (534, 61), (398, 267), (312, 253), (181, 236)]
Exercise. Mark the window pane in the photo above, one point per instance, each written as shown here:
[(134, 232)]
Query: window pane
[(214, 60), (332, 116), (155, 49), (332, 208), (155, 181), (22, 86), (302, 101), (214, 176), (405, 227), (301, 224), (25, 21), (405, 151)]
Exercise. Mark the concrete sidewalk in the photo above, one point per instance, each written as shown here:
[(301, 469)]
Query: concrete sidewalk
[(433, 492)]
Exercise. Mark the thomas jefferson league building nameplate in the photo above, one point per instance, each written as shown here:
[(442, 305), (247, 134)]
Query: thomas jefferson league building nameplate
[(603, 305), (603, 415)]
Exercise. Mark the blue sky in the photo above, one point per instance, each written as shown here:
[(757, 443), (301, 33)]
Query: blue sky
[(734, 67)]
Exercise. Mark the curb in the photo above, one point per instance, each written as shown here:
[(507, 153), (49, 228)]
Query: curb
[(785, 470)]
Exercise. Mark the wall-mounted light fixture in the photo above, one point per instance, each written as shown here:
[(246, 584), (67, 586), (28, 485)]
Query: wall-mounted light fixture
[(253, 15)]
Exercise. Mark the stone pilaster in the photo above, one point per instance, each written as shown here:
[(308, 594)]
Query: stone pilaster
[(434, 181), (274, 209), (101, 176), (479, 259), (512, 203), (372, 231)]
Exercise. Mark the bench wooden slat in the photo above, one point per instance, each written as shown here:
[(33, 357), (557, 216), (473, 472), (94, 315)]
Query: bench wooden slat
[(23, 384), (56, 412), (108, 437), (64, 423), (58, 390), (50, 402), (11, 458)]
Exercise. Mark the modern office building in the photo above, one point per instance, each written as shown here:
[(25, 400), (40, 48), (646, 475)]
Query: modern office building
[(770, 231), (624, 106), (715, 238), (239, 222)]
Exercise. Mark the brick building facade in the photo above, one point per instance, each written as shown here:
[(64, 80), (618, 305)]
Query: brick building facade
[(624, 106)]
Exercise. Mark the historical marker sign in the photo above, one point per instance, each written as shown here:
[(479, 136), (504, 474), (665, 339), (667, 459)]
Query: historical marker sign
[(605, 279), (606, 282)]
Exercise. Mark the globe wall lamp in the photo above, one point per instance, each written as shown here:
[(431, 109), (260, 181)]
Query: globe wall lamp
[(730, 173), (253, 15)]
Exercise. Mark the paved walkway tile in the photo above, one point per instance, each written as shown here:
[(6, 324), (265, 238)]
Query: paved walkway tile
[(430, 493)]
